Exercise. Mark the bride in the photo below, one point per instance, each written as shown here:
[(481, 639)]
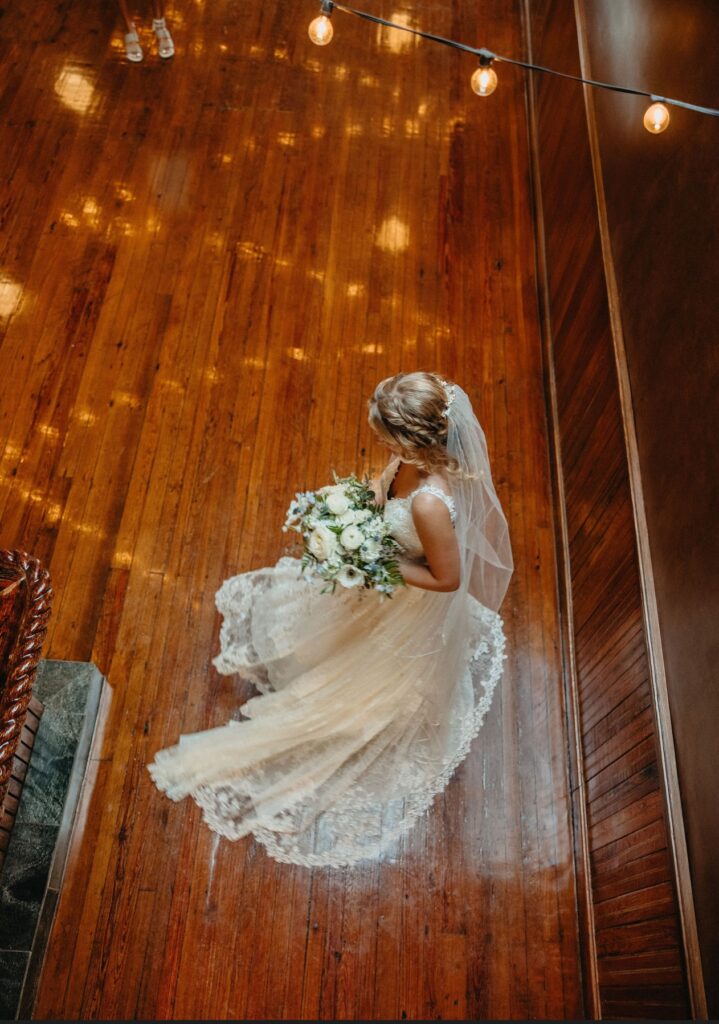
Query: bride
[(366, 706)]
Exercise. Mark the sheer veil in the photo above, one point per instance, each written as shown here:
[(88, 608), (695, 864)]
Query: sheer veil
[(482, 536), (481, 526)]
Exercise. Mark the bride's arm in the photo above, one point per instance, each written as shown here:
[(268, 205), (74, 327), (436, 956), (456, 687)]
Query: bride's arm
[(434, 528)]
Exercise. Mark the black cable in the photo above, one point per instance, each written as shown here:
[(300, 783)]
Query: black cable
[(488, 54)]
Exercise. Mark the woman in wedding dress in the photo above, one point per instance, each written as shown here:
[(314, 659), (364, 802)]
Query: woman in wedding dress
[(366, 705)]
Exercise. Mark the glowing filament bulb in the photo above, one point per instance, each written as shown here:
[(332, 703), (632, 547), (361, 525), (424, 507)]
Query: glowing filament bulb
[(484, 80), (656, 118), (321, 30)]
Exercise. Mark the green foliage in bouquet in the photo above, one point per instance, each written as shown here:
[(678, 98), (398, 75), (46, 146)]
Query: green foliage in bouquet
[(346, 538)]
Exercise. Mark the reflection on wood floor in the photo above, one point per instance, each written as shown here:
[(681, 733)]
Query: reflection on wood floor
[(207, 264)]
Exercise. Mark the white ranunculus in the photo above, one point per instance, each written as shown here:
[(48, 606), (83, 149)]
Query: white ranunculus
[(337, 502), (351, 538), (322, 543), (369, 551), (350, 576), (348, 517)]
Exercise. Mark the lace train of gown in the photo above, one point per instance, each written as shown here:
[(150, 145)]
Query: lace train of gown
[(347, 743)]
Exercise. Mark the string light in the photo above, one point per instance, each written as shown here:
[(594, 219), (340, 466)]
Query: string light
[(484, 79), (320, 29), (656, 118)]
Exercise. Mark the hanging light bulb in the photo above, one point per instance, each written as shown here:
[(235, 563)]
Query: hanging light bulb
[(320, 29), (656, 117), (484, 79)]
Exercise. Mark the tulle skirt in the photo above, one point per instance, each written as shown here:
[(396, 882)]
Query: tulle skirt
[(350, 738)]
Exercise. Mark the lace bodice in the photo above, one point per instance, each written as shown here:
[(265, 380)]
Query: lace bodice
[(398, 513)]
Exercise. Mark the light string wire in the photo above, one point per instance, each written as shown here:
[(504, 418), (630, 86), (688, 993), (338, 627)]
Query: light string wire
[(490, 56)]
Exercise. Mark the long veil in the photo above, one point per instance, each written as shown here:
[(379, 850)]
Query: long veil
[(481, 531), (481, 526)]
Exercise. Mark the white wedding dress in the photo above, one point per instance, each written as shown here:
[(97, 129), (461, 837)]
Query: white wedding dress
[(349, 739)]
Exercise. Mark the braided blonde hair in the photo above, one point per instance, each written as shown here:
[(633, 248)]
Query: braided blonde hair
[(409, 411)]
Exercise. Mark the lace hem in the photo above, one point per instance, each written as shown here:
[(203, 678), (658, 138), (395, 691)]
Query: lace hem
[(419, 802), (329, 805), (234, 600), (228, 810)]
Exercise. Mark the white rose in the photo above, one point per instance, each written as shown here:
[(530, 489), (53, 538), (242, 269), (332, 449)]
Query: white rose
[(369, 551), (337, 502), (363, 515), (351, 538), (349, 576), (322, 543)]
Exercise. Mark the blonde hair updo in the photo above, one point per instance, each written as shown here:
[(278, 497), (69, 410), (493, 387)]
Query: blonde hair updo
[(409, 412)]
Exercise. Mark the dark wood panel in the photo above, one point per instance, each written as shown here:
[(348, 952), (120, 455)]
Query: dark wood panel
[(657, 933), (600, 700), (620, 729), (624, 793), (663, 1003), (638, 759), (627, 821), (676, 415), (628, 849), (623, 727), (649, 869), (641, 905), (659, 966), (631, 883)]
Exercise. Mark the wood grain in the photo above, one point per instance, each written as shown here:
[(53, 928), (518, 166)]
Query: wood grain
[(632, 916), (215, 260), (670, 416)]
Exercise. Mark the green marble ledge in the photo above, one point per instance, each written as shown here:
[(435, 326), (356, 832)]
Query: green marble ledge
[(32, 873)]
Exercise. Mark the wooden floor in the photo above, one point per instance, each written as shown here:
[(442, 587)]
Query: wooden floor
[(206, 265)]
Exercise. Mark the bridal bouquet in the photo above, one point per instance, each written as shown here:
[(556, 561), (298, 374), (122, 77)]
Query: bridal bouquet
[(346, 538)]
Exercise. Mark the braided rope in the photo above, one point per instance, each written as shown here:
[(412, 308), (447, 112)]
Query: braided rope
[(24, 657)]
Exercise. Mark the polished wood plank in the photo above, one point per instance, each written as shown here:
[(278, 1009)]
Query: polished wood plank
[(218, 258)]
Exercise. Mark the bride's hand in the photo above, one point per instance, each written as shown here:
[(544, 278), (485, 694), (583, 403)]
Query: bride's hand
[(377, 489)]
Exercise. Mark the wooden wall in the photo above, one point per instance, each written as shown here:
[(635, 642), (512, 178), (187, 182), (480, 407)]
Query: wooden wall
[(635, 956), (662, 205)]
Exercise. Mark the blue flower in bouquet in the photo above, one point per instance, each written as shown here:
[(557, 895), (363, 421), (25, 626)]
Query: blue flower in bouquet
[(346, 538)]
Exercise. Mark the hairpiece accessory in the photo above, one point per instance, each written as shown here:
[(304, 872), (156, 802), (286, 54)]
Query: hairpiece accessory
[(450, 391)]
